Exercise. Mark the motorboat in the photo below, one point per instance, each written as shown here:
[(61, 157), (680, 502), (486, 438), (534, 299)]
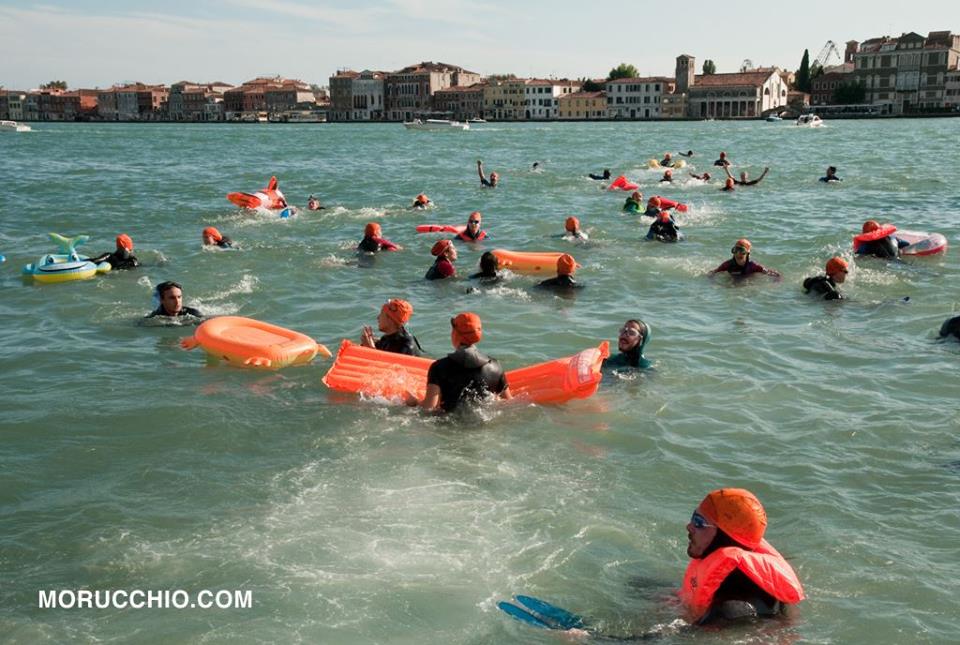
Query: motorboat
[(809, 121), (476, 120), (13, 126), (773, 118), (435, 124)]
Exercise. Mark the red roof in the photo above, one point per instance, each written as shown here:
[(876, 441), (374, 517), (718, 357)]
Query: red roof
[(752, 79), (645, 79), (584, 95)]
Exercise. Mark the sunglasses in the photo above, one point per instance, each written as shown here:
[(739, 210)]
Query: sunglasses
[(700, 522), (738, 249), (473, 221)]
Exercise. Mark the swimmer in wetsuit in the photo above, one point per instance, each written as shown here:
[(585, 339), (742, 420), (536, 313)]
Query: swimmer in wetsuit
[(688, 153), (653, 207), (664, 229), (667, 161), (603, 177), (667, 177), (722, 161), (950, 327), (572, 229), (740, 265), (211, 236), (392, 319), (631, 341), (373, 242), (420, 202), (122, 258), (826, 285), (633, 203), (831, 175), (704, 177), (472, 233), (885, 248), (566, 267), (170, 295), (464, 375), (446, 254), (728, 185), (484, 182), (489, 269), (745, 178), (313, 204)]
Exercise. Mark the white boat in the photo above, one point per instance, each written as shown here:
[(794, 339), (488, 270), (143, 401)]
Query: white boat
[(13, 126), (809, 121), (477, 120), (435, 124), (773, 118)]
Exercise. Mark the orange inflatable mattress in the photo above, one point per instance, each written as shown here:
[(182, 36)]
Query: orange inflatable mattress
[(246, 342), (368, 371)]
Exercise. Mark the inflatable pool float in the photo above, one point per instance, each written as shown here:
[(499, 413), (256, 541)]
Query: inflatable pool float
[(922, 243), (441, 228), (246, 342), (528, 262), (66, 266), (667, 204), (270, 197), (621, 183), (654, 164), (289, 211), (371, 372)]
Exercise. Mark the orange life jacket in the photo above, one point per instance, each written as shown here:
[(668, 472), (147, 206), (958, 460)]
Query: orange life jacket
[(764, 566), (463, 235)]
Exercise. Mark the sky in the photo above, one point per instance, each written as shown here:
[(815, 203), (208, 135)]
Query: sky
[(97, 44)]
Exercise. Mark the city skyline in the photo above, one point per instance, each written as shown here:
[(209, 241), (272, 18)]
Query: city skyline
[(97, 44)]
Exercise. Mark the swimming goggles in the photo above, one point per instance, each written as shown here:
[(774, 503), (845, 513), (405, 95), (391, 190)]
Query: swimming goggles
[(473, 221), (738, 249), (700, 522), (629, 331)]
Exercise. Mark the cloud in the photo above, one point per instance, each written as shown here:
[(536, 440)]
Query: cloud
[(356, 20)]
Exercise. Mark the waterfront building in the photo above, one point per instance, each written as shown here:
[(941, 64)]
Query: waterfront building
[(77, 105), (736, 95), (356, 96), (505, 99), (583, 105), (141, 102), (951, 91), (410, 91), (541, 96), (461, 103), (823, 87), (188, 101), (637, 98)]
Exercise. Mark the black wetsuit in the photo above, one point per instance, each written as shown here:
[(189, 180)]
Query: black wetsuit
[(184, 311), (951, 327), (738, 597), (829, 178), (629, 358), (664, 231), (486, 183), (560, 282), (401, 342), (653, 211), (487, 278), (599, 177), (886, 248), (465, 374), (368, 245), (721, 162), (119, 259), (225, 243), (822, 285)]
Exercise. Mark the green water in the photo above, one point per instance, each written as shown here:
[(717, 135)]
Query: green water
[(128, 463)]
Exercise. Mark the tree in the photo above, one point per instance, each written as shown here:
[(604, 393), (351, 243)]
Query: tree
[(803, 74), (501, 77), (849, 93), (623, 70), (709, 67), (588, 85), (54, 85)]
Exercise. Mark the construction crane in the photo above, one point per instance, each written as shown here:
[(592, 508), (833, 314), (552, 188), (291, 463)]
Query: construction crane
[(824, 57)]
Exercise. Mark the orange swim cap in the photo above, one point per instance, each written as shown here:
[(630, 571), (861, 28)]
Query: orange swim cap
[(372, 230), (468, 328), (668, 173), (566, 265), (738, 513), (870, 225), (654, 201), (422, 199), (744, 242), (213, 232), (441, 246), (729, 182), (723, 154), (475, 215), (664, 216), (124, 241), (836, 265), (397, 310), (572, 224)]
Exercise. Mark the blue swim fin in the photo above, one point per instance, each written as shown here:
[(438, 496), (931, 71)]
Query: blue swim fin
[(522, 615), (563, 618)]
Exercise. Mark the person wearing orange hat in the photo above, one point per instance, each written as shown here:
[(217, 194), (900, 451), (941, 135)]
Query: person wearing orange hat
[(566, 267), (667, 176), (392, 321), (633, 203), (740, 265), (211, 236), (373, 241), (464, 375), (722, 161), (745, 178), (729, 185), (664, 229), (122, 257), (489, 269), (667, 161), (446, 254), (572, 229), (733, 572), (484, 182), (653, 207), (873, 241), (473, 232), (421, 201), (826, 285)]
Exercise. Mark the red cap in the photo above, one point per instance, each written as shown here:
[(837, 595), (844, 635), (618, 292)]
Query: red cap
[(836, 265), (397, 310), (572, 224), (441, 246), (566, 265), (372, 230), (213, 232), (124, 241), (654, 201), (664, 216), (870, 225), (468, 328), (738, 513)]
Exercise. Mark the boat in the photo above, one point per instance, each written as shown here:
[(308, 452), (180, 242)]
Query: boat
[(809, 121), (435, 124), (477, 120), (773, 118), (13, 126)]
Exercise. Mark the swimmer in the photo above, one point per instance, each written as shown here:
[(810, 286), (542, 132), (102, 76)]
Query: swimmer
[(211, 236), (484, 182), (392, 321), (446, 254), (472, 233), (464, 375), (653, 207), (826, 285), (740, 265), (573, 231), (536, 167), (722, 161), (170, 295), (313, 204), (667, 176), (373, 242), (667, 160), (631, 342), (421, 201), (603, 177), (566, 267), (489, 269), (886, 248), (745, 178), (633, 202), (704, 177), (688, 153), (728, 185), (664, 229), (122, 257), (831, 175), (951, 327)]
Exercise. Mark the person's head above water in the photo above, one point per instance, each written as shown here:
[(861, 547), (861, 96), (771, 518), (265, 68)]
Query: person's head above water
[(372, 229), (606, 173), (741, 251), (636, 196), (494, 177), (572, 224), (654, 202), (870, 226), (170, 295), (666, 155), (706, 176), (729, 183), (566, 265), (837, 269), (473, 221), (664, 216), (394, 314), (421, 199), (723, 155), (211, 236), (489, 263), (667, 174), (444, 248), (831, 170), (466, 329), (125, 242), (732, 512), (631, 335)]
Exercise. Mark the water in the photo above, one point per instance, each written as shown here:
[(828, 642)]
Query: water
[(128, 463)]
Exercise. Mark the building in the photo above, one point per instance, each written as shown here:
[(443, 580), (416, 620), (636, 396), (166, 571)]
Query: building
[(541, 97), (141, 102), (462, 103), (951, 91), (505, 99), (741, 95), (583, 105), (357, 96), (77, 105), (11, 104), (409, 92), (188, 101), (823, 87), (637, 98)]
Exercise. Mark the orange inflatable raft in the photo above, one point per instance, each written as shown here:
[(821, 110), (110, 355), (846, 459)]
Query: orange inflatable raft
[(622, 183), (246, 342), (528, 262), (270, 197), (371, 372)]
